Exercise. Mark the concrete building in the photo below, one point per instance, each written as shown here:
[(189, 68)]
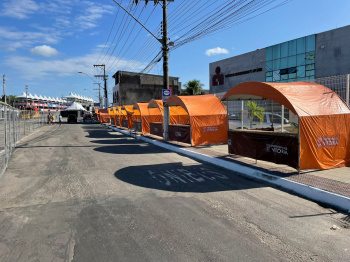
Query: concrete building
[(307, 58), (132, 87)]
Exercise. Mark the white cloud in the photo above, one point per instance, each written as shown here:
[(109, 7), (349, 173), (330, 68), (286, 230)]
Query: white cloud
[(19, 8), (44, 50), (12, 39), (30, 68), (88, 19), (216, 51)]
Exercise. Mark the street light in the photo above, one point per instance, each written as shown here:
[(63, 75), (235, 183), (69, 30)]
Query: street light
[(87, 76), (99, 87)]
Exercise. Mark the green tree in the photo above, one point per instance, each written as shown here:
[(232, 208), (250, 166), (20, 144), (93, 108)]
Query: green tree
[(193, 87), (255, 110)]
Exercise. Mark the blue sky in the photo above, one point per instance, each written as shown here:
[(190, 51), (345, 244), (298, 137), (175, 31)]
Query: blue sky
[(43, 44)]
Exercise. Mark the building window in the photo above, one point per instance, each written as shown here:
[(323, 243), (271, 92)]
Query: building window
[(291, 61)]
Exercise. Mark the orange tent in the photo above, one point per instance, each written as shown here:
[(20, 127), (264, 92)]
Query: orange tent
[(141, 117), (117, 116), (97, 114), (324, 125), (111, 115), (178, 115), (114, 116), (104, 115), (127, 120), (155, 112), (205, 121)]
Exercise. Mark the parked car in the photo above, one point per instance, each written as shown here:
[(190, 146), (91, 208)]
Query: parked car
[(72, 118), (271, 121)]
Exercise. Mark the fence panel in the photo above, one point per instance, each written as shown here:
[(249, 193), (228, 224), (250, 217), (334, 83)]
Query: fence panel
[(15, 124)]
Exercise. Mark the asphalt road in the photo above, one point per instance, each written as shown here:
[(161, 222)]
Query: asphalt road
[(81, 192)]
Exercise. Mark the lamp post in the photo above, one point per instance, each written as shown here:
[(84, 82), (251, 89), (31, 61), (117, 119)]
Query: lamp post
[(99, 93)]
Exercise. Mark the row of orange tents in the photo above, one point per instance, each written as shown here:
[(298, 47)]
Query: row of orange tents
[(197, 120), (322, 142)]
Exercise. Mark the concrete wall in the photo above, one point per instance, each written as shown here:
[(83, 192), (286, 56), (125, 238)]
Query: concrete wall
[(244, 62), (333, 52), (135, 87)]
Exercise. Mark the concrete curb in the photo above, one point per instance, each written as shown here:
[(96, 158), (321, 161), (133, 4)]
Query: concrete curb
[(309, 192)]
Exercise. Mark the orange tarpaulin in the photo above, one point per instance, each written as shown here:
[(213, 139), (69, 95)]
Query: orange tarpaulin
[(178, 115), (155, 111), (206, 115), (324, 119), (118, 116), (111, 115), (129, 111), (141, 113), (104, 115), (97, 114)]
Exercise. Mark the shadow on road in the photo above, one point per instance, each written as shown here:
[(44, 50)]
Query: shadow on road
[(176, 177), (115, 141), (131, 149)]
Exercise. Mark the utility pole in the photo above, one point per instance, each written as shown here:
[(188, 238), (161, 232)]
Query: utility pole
[(105, 83), (3, 81), (163, 41), (99, 93), (165, 48)]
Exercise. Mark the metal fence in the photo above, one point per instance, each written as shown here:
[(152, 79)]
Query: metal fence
[(14, 125), (339, 84)]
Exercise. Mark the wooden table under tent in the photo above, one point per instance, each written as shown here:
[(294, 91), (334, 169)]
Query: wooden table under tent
[(104, 115), (127, 116), (322, 121), (203, 121)]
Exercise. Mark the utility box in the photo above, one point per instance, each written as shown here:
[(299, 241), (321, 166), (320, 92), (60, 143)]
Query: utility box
[(133, 88)]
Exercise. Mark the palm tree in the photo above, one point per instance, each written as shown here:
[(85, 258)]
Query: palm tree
[(193, 87), (255, 110)]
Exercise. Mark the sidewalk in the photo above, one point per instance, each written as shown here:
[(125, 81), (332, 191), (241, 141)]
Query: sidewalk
[(330, 186)]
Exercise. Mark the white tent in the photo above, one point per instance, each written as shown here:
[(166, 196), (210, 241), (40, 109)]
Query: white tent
[(75, 106)]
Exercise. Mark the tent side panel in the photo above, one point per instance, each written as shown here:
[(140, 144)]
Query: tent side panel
[(324, 141), (211, 129), (266, 147), (104, 115), (145, 124), (178, 116)]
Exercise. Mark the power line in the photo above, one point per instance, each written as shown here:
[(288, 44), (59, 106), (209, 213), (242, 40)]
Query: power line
[(110, 31)]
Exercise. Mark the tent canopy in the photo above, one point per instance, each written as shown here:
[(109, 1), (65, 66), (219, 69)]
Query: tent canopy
[(207, 117), (156, 104), (129, 109), (324, 118), (75, 106), (302, 98), (142, 108), (202, 105), (127, 112)]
